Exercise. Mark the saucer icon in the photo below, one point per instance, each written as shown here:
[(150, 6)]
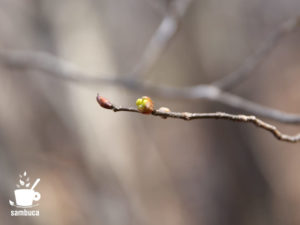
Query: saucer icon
[(24, 195)]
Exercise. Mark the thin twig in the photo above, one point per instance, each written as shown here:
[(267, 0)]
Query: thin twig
[(217, 115), (256, 59), (64, 70)]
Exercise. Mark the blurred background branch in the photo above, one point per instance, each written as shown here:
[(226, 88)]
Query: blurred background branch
[(161, 37), (252, 62), (61, 69)]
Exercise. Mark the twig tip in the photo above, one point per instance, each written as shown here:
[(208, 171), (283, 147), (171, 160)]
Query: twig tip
[(103, 102)]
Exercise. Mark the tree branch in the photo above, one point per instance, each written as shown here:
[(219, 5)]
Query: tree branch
[(64, 70), (256, 59), (162, 36), (61, 69), (217, 115)]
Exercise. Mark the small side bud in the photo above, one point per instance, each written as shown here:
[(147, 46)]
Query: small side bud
[(145, 105), (103, 102), (164, 110), (187, 115)]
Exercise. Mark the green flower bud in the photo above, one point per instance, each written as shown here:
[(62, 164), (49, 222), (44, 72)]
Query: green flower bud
[(144, 105)]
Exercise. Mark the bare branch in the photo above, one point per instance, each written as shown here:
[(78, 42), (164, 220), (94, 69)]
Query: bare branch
[(63, 70), (162, 36), (256, 59), (218, 115)]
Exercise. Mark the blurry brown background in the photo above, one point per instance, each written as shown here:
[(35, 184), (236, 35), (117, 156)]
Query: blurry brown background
[(100, 167)]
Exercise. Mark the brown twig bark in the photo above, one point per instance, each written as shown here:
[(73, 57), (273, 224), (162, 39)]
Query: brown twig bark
[(217, 115)]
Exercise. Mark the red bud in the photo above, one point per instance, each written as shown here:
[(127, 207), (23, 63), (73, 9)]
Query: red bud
[(103, 102)]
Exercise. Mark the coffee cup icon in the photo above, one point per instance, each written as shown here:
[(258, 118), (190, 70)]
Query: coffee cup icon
[(25, 197)]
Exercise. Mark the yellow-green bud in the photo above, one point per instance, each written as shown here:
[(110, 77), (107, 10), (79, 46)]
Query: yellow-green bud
[(144, 105)]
